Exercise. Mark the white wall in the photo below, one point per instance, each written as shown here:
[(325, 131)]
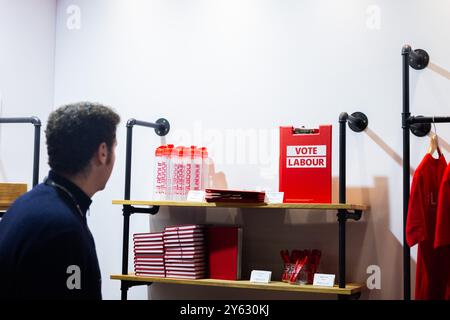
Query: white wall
[(215, 68), (27, 41)]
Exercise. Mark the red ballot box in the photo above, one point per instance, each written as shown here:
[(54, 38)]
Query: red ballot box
[(305, 164)]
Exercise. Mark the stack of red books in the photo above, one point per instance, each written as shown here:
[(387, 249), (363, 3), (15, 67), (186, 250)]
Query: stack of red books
[(149, 254), (185, 252), (234, 196)]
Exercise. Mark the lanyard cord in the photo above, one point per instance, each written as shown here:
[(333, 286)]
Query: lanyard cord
[(67, 192)]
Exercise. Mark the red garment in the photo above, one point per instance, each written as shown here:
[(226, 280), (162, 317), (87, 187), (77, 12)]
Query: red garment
[(442, 239), (421, 225)]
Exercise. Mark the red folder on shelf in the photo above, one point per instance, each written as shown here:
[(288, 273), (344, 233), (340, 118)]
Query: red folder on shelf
[(305, 165), (224, 250)]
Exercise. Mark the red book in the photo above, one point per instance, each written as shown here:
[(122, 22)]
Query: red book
[(224, 250), (154, 257), (199, 262), (185, 244), (148, 264), (187, 269), (184, 227), (151, 243), (185, 256), (196, 260), (147, 251), (149, 235), (149, 268), (186, 233), (183, 239), (185, 275), (151, 274)]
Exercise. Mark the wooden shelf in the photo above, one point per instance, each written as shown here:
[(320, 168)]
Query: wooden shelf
[(350, 288), (312, 206), (9, 192)]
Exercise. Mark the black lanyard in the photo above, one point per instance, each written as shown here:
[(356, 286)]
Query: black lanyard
[(52, 183)]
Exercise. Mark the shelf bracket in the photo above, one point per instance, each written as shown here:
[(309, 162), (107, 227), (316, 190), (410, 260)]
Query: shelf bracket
[(128, 210), (125, 285), (344, 215), (354, 296)]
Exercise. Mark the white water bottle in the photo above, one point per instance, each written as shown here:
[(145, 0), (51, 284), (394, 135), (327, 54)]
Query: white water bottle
[(196, 180), (160, 175), (177, 174), (168, 160), (205, 168), (187, 163)]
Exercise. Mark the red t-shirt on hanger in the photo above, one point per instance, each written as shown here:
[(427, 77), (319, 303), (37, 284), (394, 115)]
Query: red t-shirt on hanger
[(442, 239), (421, 225)]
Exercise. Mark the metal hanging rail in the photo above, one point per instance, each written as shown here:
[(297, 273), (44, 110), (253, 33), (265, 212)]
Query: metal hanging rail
[(420, 126), (37, 141)]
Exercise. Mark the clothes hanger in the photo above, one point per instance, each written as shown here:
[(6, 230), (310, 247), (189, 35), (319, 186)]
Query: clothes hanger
[(434, 143)]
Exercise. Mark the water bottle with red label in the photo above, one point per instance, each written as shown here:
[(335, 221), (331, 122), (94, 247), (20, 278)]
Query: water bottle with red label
[(177, 174), (160, 174), (196, 180), (187, 162)]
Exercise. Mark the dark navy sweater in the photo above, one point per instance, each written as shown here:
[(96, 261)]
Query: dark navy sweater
[(46, 248)]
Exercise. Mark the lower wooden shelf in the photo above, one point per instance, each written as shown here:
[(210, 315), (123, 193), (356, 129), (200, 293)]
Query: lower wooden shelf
[(350, 288)]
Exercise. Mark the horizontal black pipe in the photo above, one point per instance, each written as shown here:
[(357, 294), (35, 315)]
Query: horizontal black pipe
[(134, 122), (413, 119), (33, 120)]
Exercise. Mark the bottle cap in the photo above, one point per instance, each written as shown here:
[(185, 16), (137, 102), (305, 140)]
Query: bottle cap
[(204, 152), (159, 152)]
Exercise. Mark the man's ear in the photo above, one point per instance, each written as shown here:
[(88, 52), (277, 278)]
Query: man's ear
[(102, 153)]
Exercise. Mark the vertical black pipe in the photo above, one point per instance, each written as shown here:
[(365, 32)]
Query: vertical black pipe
[(126, 213), (37, 147), (406, 179), (128, 161), (342, 197)]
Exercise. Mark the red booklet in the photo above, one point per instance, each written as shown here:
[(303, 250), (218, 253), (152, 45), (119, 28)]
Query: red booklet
[(184, 227), (183, 239), (137, 252), (149, 235), (151, 274), (225, 250), (187, 233), (200, 243), (185, 276), (154, 257), (148, 264), (192, 263), (151, 243), (200, 258), (149, 268), (184, 256)]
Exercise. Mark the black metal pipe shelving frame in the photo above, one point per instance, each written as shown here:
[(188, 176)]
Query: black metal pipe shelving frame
[(356, 121), (420, 126), (36, 122)]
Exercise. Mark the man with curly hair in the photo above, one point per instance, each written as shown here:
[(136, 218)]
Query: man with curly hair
[(46, 248)]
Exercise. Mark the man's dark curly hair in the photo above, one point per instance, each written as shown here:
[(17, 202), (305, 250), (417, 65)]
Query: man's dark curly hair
[(74, 133)]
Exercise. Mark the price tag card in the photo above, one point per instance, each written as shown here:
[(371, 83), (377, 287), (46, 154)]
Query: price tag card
[(274, 197), (324, 280), (196, 196), (260, 276)]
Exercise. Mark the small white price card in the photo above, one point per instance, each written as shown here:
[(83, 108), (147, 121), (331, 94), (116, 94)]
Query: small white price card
[(324, 280), (196, 196), (274, 197), (260, 276)]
